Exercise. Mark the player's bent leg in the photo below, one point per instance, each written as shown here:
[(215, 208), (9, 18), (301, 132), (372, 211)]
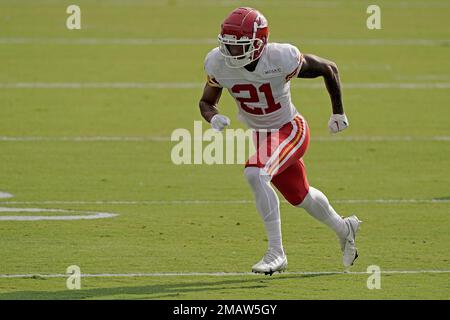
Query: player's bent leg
[(318, 206), (293, 184), (268, 206)]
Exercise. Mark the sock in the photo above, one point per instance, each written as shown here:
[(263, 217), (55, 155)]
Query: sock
[(267, 204), (317, 205)]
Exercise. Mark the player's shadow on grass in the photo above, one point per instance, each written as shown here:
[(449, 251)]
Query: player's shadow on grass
[(441, 198), (156, 291)]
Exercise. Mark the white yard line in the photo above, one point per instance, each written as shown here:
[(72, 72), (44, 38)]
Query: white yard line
[(88, 215), (5, 195), (199, 85), (101, 85), (86, 139), (217, 274), (207, 202), (167, 138), (213, 41)]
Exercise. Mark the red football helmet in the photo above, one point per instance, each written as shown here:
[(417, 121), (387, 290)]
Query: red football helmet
[(244, 27)]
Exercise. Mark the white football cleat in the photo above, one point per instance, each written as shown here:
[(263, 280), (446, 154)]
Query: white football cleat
[(348, 245), (271, 262)]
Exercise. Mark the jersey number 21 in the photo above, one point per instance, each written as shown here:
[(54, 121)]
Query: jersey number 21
[(254, 98)]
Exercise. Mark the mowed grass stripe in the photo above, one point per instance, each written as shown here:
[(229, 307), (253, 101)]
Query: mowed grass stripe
[(197, 85), (166, 138), (207, 202)]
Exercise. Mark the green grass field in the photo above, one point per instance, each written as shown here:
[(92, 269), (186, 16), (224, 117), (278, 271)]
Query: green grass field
[(58, 84)]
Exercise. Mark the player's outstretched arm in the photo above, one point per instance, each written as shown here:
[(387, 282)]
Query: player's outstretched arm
[(210, 98), (313, 67)]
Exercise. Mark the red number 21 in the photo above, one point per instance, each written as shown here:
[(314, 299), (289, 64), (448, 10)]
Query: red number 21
[(254, 97)]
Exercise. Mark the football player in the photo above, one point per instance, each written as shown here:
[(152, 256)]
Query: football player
[(257, 74)]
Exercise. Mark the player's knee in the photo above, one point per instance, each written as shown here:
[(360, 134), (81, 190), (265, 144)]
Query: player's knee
[(317, 196), (251, 174), (313, 197), (255, 175)]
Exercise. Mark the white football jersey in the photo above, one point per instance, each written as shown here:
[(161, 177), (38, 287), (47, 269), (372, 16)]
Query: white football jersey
[(263, 96)]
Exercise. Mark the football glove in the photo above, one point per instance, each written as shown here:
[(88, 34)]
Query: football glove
[(219, 122), (338, 122)]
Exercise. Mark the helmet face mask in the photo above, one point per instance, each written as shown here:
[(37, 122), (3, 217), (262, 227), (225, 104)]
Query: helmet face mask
[(245, 28), (246, 55)]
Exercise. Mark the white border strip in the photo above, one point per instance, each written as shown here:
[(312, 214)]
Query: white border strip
[(215, 274), (166, 138), (206, 202), (199, 85)]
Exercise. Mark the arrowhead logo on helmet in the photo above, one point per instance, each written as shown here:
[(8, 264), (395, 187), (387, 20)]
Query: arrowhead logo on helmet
[(243, 37)]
